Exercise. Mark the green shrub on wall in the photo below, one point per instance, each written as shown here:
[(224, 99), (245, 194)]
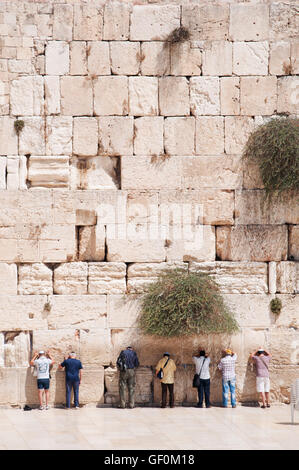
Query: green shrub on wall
[(184, 303), (274, 146)]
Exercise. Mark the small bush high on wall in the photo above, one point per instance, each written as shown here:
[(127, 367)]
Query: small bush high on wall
[(183, 303), (275, 148)]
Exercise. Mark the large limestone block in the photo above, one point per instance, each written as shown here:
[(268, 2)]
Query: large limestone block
[(52, 95), (237, 132), (153, 22), (197, 244), (230, 95), (288, 316), (135, 251), (63, 22), (23, 312), (207, 21), (81, 87), (27, 96), (288, 95), (236, 278), (204, 96), (35, 279), (258, 95), (17, 349), (95, 347), (88, 22), (59, 342), (150, 172), (140, 275), (174, 96), (125, 57), (106, 278), (252, 208), (98, 58), (59, 132), (186, 58), (9, 394), (179, 133), (283, 20), (57, 58), (251, 309), (250, 58), (143, 96), (123, 311), (155, 58), (249, 22), (217, 58), (92, 243), (111, 96), (78, 58), (279, 60), (85, 137), (294, 242), (286, 277), (58, 245), (95, 173), (116, 21), (8, 279), (149, 135), (77, 311), (116, 135), (223, 172), (92, 387), (252, 243), (284, 344), (71, 278), (16, 172), (8, 137), (49, 172), (209, 138), (32, 137)]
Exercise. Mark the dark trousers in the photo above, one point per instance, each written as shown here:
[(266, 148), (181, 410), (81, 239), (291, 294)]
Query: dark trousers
[(127, 380), (164, 394), (72, 385), (204, 391)]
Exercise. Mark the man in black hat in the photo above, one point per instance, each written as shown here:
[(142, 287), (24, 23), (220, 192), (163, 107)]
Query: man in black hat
[(127, 362)]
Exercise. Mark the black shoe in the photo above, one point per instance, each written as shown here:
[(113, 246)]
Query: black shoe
[(198, 405)]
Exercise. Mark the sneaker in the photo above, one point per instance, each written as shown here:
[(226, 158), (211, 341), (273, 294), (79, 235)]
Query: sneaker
[(47, 407), (77, 407), (234, 406), (41, 407)]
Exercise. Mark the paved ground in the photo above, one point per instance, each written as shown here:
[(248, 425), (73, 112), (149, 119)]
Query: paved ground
[(150, 428)]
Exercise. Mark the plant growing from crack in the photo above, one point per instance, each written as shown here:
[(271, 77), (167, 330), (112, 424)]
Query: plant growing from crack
[(19, 125), (276, 306)]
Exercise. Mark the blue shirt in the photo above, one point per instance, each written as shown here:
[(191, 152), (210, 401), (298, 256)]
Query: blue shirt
[(130, 358), (72, 367)]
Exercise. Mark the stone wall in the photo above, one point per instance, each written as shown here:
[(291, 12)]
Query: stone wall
[(129, 161)]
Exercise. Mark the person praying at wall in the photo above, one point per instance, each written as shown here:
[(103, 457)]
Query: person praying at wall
[(42, 362)]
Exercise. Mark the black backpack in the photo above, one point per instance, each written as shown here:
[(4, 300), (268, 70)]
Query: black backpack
[(121, 361)]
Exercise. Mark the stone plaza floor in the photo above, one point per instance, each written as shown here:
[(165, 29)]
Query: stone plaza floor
[(181, 428)]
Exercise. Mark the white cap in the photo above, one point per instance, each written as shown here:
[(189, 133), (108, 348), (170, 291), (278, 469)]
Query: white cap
[(41, 352)]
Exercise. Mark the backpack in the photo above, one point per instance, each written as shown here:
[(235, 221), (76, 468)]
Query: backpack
[(121, 361)]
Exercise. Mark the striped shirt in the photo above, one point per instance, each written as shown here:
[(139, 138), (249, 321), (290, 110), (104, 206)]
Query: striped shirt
[(227, 366)]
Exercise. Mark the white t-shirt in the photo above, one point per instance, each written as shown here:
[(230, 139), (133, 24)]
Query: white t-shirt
[(202, 365), (43, 367)]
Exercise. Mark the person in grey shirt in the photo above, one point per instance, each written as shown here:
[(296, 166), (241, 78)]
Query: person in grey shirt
[(202, 365)]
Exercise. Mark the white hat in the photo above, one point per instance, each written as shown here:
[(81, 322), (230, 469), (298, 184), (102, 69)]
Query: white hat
[(41, 352)]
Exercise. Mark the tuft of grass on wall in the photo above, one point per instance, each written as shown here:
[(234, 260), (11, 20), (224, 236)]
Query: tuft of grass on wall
[(183, 303), (274, 146), (178, 35), (19, 125)]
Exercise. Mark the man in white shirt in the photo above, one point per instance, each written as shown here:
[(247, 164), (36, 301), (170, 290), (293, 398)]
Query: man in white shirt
[(202, 366), (42, 363)]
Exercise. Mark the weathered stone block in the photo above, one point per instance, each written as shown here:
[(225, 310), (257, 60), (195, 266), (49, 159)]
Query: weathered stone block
[(95, 173), (59, 130), (78, 58), (63, 22), (258, 95), (148, 135), (85, 139), (88, 22), (197, 244), (230, 95), (52, 95), (174, 96), (283, 20), (27, 96), (295, 57), (217, 58), (249, 22), (98, 58), (252, 243), (206, 21), (106, 278), (49, 172), (81, 88), (286, 277), (155, 58), (116, 21), (294, 242), (186, 59), (95, 346), (57, 58), (23, 312), (250, 58), (143, 96), (179, 133), (8, 279), (35, 279), (209, 138), (125, 57), (237, 131), (32, 137), (153, 22), (135, 251), (111, 96), (92, 243), (204, 96), (288, 95), (71, 278), (280, 58), (116, 135), (140, 275), (8, 137)]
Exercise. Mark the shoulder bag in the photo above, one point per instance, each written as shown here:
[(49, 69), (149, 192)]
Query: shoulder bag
[(196, 378), (160, 374)]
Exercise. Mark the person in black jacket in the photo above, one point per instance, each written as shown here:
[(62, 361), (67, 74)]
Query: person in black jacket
[(127, 363)]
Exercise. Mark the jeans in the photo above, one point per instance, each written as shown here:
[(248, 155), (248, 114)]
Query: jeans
[(204, 391), (127, 379), (229, 385), (164, 394), (69, 385)]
